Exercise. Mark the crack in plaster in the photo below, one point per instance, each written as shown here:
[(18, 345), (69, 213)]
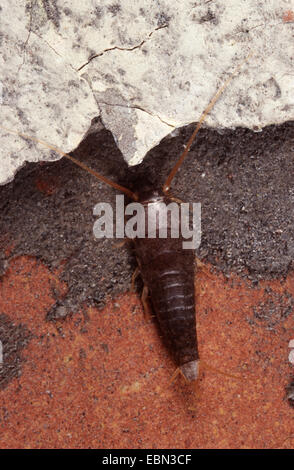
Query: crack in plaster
[(93, 57), (49, 45), (27, 39), (121, 48), (135, 107)]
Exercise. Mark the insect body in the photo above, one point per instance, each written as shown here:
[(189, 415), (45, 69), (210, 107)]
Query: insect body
[(168, 272)]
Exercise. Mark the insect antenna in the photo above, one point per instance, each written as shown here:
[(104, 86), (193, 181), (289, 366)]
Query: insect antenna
[(97, 175), (203, 116)]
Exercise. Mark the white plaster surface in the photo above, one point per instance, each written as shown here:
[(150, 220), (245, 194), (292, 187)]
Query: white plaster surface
[(145, 67)]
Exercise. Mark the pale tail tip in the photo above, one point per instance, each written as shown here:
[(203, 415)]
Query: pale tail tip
[(190, 370)]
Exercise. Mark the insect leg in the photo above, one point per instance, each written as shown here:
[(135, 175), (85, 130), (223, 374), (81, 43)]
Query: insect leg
[(174, 199), (121, 244), (148, 313), (135, 274)]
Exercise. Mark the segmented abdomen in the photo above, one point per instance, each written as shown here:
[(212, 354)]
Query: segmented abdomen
[(168, 271)]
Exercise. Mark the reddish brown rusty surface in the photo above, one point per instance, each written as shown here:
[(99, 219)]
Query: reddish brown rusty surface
[(288, 16), (101, 379), (46, 181)]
